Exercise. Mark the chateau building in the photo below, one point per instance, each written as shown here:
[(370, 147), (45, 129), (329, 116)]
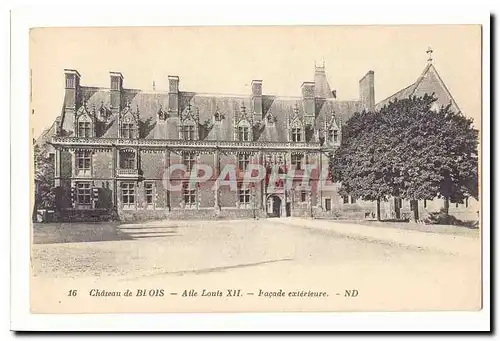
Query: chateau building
[(114, 149)]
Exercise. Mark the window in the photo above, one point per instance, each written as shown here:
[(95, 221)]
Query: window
[(353, 200), (84, 129), (83, 159), (303, 196), (243, 134), (148, 188), (297, 161), (128, 130), (189, 194), (328, 204), (335, 136), (83, 193), (127, 160), (244, 195), (346, 199), (188, 159), (243, 161), (128, 194), (425, 203), (188, 132), (296, 135), (466, 201), (456, 205)]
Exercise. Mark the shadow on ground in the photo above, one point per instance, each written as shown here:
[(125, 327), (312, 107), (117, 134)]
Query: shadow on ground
[(50, 233)]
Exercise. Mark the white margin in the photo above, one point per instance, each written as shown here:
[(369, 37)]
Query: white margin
[(94, 13)]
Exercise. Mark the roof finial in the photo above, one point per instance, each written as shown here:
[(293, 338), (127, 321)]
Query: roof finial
[(154, 86), (429, 52)]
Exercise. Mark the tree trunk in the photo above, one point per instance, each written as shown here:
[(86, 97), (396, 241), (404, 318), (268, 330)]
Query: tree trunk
[(378, 209), (446, 207)]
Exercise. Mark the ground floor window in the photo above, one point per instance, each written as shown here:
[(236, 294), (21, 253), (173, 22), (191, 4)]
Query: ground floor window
[(244, 195), (303, 196), (353, 200), (345, 198), (189, 195), (83, 193), (425, 203), (128, 194), (148, 189)]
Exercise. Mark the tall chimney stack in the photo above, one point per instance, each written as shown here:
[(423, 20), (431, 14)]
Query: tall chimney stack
[(367, 91), (116, 85)]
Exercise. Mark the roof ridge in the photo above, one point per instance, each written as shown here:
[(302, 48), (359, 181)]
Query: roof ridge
[(397, 92), (445, 87)]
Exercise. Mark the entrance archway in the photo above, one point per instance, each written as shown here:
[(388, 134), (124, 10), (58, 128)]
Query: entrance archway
[(273, 206)]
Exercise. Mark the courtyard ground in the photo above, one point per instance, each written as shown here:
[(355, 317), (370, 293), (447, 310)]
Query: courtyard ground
[(392, 269)]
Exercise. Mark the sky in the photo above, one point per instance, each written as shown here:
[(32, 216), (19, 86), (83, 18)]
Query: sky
[(227, 59)]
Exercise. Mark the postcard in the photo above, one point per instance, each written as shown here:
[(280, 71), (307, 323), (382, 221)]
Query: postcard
[(256, 169)]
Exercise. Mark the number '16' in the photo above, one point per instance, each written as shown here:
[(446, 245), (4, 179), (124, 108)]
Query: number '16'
[(72, 293)]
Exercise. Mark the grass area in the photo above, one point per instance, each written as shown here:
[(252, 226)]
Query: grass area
[(446, 229)]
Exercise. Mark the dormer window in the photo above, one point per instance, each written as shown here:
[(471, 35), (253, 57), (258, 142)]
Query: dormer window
[(296, 134), (333, 135), (84, 129), (128, 130), (188, 132), (217, 116), (243, 134)]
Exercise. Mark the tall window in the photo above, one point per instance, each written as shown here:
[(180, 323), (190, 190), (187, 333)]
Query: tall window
[(297, 161), (303, 196), (83, 159), (345, 199), (296, 135), (243, 134), (243, 161), (128, 194), (127, 160), (335, 136), (188, 132), (84, 129), (83, 193), (244, 195), (148, 188), (188, 159), (353, 200), (128, 130), (189, 194)]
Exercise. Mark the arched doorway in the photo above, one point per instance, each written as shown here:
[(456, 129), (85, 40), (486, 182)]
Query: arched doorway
[(273, 206)]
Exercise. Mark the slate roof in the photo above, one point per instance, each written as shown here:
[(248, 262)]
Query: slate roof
[(429, 82), (149, 103)]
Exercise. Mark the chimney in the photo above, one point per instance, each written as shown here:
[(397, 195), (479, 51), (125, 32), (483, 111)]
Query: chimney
[(367, 91), (173, 95), (116, 79), (308, 98), (257, 99), (72, 95)]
